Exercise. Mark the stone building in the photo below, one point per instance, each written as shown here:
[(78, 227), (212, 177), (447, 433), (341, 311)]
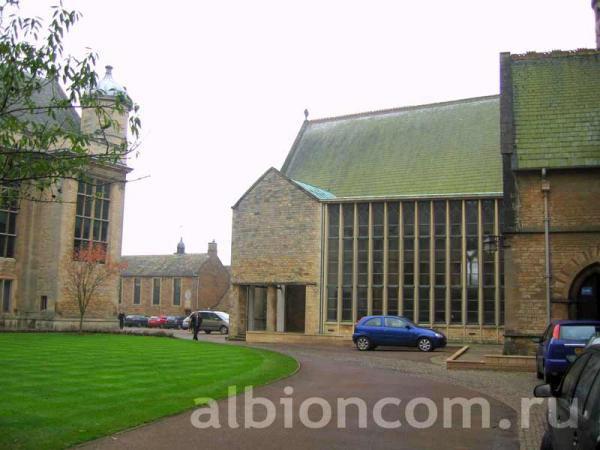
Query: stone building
[(173, 284), (37, 239), (381, 212), (551, 162)]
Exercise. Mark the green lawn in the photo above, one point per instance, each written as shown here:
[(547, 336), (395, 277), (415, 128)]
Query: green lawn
[(61, 389)]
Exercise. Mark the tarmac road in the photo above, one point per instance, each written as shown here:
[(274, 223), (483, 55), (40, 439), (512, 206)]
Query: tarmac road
[(331, 379)]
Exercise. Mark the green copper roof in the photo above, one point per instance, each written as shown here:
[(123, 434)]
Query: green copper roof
[(439, 149), (556, 107), (317, 192)]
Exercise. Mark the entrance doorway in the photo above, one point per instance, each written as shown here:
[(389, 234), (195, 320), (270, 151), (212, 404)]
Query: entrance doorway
[(584, 295), (295, 308)]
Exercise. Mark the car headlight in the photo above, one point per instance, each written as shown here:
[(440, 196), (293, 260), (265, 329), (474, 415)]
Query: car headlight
[(439, 335)]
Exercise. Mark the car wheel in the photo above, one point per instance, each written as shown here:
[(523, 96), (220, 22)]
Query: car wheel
[(363, 343), (425, 344), (540, 373), (207, 331), (546, 442), (223, 329)]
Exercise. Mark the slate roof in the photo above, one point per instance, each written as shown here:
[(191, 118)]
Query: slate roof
[(450, 148), (556, 109), (187, 265), (50, 92)]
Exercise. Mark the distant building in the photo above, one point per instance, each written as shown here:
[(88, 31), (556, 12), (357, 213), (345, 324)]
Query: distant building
[(173, 284), (38, 239)]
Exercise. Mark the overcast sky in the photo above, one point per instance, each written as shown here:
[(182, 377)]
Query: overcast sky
[(223, 84)]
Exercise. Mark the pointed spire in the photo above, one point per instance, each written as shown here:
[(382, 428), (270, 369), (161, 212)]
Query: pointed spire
[(181, 247)]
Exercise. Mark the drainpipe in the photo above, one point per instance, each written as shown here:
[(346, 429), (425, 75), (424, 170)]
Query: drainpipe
[(548, 276)]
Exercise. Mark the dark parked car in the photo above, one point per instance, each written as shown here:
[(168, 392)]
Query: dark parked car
[(577, 399), (561, 343), (371, 331), (174, 322), (136, 321)]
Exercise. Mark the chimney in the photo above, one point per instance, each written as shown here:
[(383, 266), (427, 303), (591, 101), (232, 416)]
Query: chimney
[(180, 247), (212, 248), (596, 7)]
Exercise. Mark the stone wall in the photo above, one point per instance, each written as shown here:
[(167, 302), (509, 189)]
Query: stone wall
[(276, 234)]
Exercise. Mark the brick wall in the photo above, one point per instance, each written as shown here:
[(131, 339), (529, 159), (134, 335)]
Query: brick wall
[(214, 283), (574, 209)]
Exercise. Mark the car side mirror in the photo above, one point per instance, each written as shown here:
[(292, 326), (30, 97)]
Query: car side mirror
[(537, 340), (408, 327), (543, 391)]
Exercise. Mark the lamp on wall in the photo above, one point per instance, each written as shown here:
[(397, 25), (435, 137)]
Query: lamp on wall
[(491, 243)]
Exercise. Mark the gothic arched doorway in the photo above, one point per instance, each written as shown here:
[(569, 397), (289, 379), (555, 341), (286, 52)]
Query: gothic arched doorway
[(584, 295)]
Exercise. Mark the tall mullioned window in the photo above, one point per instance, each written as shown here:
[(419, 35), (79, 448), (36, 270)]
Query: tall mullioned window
[(137, 291), (439, 291), (8, 225), (393, 272), (408, 220), (347, 261), (333, 261), (91, 217), (176, 291), (156, 291), (421, 259), (424, 255)]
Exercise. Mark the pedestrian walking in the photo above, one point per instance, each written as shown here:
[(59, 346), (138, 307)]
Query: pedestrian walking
[(121, 320), (196, 323)]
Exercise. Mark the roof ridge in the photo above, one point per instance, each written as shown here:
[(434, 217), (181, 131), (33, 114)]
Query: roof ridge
[(403, 108), (164, 254), (554, 54)]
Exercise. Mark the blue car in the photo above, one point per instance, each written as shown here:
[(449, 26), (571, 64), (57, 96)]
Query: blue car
[(562, 342), (371, 331)]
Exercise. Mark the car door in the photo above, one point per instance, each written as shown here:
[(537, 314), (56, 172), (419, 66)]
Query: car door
[(589, 420), (585, 427), (564, 436), (396, 331), (206, 321), (374, 330)]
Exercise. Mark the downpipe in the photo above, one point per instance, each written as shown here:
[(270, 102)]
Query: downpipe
[(548, 275)]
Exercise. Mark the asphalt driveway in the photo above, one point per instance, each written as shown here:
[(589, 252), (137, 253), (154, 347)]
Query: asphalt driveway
[(331, 374)]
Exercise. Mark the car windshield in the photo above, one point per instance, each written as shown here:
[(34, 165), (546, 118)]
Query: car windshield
[(578, 332)]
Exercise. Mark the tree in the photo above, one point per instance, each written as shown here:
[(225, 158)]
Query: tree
[(40, 86), (87, 271)]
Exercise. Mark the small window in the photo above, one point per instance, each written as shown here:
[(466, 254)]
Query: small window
[(137, 291), (374, 322), (44, 303), (6, 291), (156, 291)]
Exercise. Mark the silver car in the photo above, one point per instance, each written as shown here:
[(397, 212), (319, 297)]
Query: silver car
[(211, 321)]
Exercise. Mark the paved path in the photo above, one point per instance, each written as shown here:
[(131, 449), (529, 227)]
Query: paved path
[(333, 373)]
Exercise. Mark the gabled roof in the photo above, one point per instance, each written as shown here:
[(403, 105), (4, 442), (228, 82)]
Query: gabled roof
[(50, 92), (186, 265), (311, 191), (556, 109), (437, 149)]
